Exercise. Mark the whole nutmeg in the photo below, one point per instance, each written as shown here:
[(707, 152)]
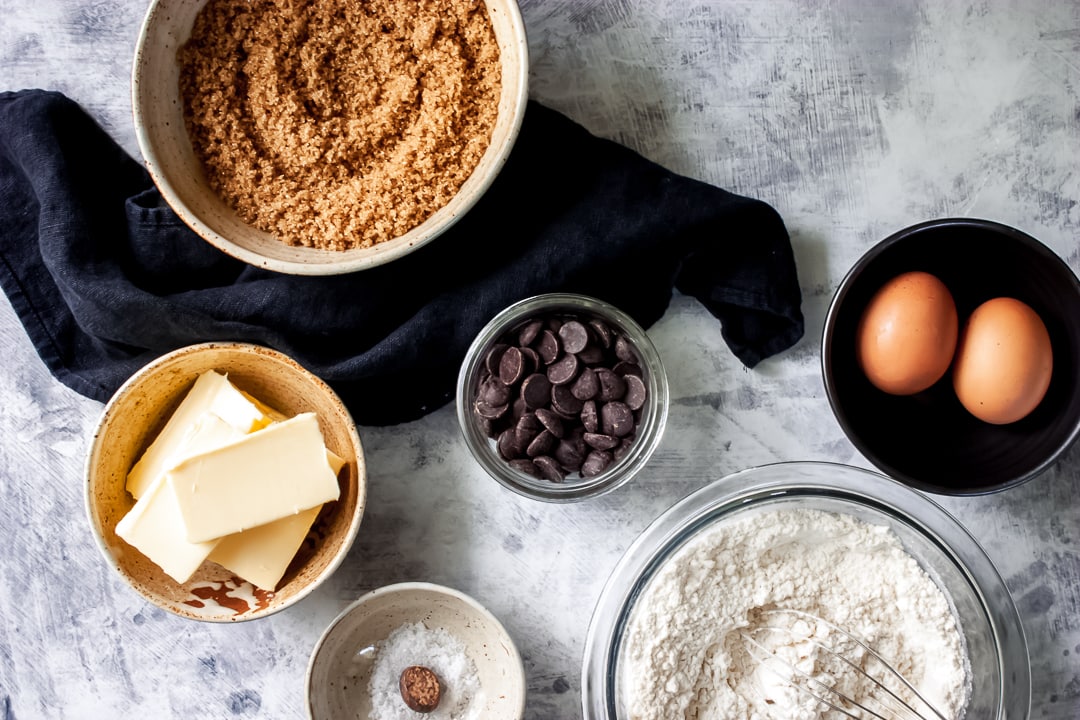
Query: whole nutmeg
[(419, 688)]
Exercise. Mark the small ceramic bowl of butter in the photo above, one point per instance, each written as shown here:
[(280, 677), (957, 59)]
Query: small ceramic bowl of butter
[(225, 482), (415, 647)]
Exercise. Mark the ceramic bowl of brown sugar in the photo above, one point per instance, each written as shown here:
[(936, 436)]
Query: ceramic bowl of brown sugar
[(194, 411), (329, 140)]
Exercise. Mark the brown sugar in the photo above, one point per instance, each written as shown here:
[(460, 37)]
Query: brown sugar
[(339, 123)]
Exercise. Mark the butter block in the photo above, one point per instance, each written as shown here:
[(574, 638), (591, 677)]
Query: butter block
[(262, 554), (155, 527), (212, 392), (279, 471), (154, 524)]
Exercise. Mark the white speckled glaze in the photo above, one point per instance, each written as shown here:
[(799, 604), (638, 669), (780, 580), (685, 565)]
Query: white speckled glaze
[(166, 147), (337, 683)]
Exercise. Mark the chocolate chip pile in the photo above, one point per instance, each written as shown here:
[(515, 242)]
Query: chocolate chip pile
[(561, 395)]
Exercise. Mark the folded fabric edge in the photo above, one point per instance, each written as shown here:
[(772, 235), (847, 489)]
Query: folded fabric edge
[(43, 342)]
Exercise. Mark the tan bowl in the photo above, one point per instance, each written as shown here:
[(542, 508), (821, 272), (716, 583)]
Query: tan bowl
[(164, 142), (342, 661), (133, 418)]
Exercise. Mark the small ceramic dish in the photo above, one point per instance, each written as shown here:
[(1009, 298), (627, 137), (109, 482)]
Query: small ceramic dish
[(133, 418), (342, 662)]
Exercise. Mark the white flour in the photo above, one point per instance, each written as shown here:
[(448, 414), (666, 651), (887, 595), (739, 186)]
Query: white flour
[(684, 655)]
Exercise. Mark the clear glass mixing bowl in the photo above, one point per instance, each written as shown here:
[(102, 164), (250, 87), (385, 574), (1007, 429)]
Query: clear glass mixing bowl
[(990, 625)]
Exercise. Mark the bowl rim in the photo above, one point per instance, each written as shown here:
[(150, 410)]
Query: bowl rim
[(828, 379), (97, 438), (335, 262), (654, 544), (619, 473), (413, 586)]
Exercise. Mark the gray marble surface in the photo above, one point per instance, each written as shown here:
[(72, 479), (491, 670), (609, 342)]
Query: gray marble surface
[(852, 117)]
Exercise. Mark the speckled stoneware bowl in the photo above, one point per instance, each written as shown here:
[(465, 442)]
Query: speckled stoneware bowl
[(166, 148), (133, 418), (342, 660)]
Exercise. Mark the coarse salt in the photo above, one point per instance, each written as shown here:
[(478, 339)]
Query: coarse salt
[(439, 651)]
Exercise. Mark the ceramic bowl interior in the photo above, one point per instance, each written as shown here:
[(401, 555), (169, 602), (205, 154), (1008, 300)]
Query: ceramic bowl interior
[(342, 661), (132, 419), (653, 414), (929, 440), (167, 150), (988, 618)]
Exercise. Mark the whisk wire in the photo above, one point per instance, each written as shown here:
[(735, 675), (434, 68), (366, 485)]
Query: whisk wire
[(808, 679), (765, 656)]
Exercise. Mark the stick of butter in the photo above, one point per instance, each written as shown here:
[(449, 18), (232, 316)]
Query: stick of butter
[(262, 554), (276, 472), (155, 525), (212, 392)]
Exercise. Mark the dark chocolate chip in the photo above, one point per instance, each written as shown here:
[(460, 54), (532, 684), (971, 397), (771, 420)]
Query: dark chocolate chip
[(547, 347), (536, 390), (526, 466), (518, 408), (567, 417), (541, 444), (600, 441), (574, 336), (528, 334), (486, 425), (549, 468), (612, 387), (508, 445), (527, 428), (563, 401), (596, 462), (493, 392), (569, 455), (624, 447), (635, 392), (491, 362), (586, 386), (624, 349), (490, 412), (532, 359), (550, 421), (590, 418), (616, 419), (625, 368), (511, 366), (601, 331), (563, 370), (591, 355)]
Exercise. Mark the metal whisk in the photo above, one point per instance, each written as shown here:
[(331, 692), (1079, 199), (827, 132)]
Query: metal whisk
[(880, 696)]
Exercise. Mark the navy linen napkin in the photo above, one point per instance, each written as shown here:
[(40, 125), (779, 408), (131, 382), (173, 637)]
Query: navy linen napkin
[(105, 277)]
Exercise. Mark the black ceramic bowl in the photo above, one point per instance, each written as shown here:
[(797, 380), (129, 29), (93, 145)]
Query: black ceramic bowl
[(928, 440)]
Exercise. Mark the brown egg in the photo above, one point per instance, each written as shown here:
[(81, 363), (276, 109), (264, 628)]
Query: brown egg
[(907, 334), (1003, 361)]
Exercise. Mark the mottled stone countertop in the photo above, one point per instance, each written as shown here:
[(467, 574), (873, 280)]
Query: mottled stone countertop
[(853, 118)]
